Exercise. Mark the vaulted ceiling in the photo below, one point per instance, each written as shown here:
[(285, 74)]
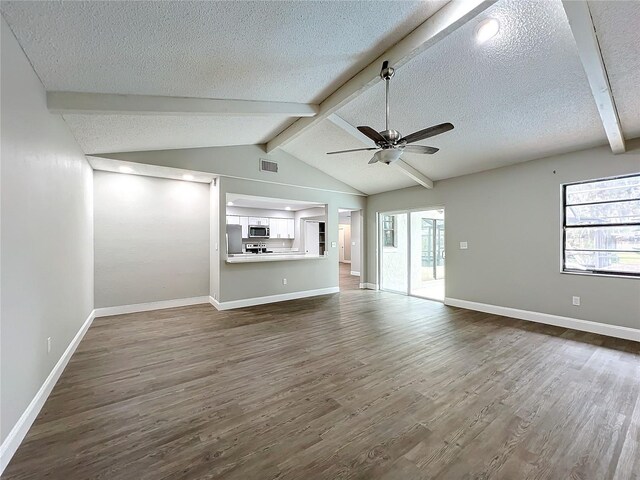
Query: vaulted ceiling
[(523, 94)]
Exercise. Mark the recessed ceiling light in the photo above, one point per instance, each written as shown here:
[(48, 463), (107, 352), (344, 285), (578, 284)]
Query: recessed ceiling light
[(486, 29), (186, 176), (287, 208), (230, 204), (125, 169)]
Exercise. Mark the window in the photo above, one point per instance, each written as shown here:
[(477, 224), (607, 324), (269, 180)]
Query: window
[(602, 226), (389, 230)]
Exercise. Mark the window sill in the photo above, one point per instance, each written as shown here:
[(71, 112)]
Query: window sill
[(610, 275)]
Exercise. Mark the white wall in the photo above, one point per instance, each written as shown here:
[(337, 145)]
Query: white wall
[(511, 219), (151, 239), (46, 239)]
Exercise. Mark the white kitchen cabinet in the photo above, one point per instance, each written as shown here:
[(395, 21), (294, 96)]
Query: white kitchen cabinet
[(258, 221), (281, 228), (277, 228), (291, 227), (244, 221), (233, 220)]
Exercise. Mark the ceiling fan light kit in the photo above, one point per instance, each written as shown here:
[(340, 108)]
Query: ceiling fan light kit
[(390, 144)]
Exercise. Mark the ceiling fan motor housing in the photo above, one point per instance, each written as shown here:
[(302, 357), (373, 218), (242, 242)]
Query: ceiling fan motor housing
[(392, 136)]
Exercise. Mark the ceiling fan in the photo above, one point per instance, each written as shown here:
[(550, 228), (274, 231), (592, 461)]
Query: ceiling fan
[(389, 143)]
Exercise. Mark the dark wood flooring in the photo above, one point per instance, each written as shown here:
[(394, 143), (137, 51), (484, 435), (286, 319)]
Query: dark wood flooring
[(360, 384), (348, 281)]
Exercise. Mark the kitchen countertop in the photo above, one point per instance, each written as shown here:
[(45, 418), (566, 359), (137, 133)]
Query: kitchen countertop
[(270, 257)]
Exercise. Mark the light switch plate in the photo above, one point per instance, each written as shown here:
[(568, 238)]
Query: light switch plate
[(576, 301), (333, 244), (353, 244), (464, 245)]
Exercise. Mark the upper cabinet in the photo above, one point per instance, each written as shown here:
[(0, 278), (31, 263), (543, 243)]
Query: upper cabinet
[(244, 221), (281, 228), (258, 221), (291, 228), (278, 227)]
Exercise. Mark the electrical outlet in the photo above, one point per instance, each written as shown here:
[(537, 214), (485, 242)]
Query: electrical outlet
[(576, 301), (48, 344), (284, 281), (464, 245), (353, 244), (333, 244)]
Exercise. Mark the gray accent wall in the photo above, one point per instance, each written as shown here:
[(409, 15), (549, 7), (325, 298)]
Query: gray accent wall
[(511, 218), (46, 235), (240, 162), (151, 239)]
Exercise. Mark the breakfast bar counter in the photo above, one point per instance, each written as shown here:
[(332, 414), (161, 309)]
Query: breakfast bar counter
[(271, 257)]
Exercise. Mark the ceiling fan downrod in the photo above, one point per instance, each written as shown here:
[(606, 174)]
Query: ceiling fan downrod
[(387, 74)]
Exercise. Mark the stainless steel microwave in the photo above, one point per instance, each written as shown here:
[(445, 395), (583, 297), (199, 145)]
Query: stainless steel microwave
[(258, 231)]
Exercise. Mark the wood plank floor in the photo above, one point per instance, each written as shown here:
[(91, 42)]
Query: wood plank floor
[(348, 281), (360, 384)]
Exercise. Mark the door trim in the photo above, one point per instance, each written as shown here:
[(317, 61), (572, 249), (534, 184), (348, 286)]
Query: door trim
[(379, 238)]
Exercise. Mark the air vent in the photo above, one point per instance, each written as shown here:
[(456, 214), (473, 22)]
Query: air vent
[(267, 166)]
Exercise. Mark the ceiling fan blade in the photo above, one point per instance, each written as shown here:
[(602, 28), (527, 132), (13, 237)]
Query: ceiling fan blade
[(420, 149), (372, 134), (375, 158), (428, 132), (354, 150)]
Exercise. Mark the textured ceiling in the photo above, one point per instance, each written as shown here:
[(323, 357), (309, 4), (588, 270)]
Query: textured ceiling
[(352, 168), (618, 28), (521, 95), (129, 133), (279, 51)]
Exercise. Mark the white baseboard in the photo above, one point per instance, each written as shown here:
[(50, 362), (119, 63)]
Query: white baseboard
[(145, 307), (626, 333), (369, 286), (250, 302), (22, 426), (215, 303), (353, 272)]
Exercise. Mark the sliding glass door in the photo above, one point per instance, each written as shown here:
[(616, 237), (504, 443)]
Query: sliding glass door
[(394, 252), (412, 253), (427, 254)]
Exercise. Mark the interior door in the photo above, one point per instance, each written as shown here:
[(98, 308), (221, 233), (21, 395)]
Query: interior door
[(341, 243)]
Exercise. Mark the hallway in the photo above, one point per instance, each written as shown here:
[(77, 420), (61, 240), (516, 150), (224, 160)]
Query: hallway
[(348, 281)]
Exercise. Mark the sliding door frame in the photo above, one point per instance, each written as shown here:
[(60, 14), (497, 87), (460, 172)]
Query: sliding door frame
[(380, 238)]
